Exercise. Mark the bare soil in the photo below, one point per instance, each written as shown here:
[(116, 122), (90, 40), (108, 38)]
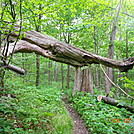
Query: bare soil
[(79, 124)]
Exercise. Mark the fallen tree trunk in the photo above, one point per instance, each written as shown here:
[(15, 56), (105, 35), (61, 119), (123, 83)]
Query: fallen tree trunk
[(114, 102), (12, 68), (49, 47)]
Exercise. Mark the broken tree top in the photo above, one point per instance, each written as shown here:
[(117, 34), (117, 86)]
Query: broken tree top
[(49, 47)]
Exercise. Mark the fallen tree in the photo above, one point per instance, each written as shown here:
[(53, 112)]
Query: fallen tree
[(114, 102), (12, 67), (56, 50)]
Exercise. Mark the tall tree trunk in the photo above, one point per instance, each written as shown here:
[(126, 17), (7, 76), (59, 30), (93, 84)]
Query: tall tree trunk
[(96, 52), (86, 84), (82, 80), (66, 36), (62, 76), (4, 58), (37, 70), (126, 44), (49, 73), (56, 72), (77, 80), (68, 76), (2, 72), (38, 29), (127, 49), (110, 71), (1, 69)]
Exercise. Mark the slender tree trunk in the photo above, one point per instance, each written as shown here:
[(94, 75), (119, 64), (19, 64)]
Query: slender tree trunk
[(49, 73), (66, 36), (1, 69), (68, 76), (2, 72), (23, 64), (62, 75), (37, 70), (4, 58), (126, 44), (127, 49), (77, 80), (96, 52), (56, 72), (110, 71), (38, 29)]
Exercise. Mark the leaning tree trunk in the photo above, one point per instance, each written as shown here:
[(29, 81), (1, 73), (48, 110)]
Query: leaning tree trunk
[(53, 49), (114, 102)]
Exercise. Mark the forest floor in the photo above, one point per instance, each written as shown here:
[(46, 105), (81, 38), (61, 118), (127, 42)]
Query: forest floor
[(79, 124)]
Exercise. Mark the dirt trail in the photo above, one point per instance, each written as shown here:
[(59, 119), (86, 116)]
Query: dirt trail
[(79, 124)]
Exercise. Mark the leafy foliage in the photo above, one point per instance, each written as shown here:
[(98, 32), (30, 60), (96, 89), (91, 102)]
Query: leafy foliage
[(101, 117), (85, 24), (34, 110)]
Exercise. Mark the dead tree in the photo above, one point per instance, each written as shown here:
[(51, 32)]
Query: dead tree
[(56, 50)]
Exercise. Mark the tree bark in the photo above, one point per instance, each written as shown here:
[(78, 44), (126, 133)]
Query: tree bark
[(114, 102), (62, 52), (77, 80), (96, 52), (49, 73), (86, 84), (110, 71), (12, 67), (56, 72), (62, 75), (68, 76), (37, 70)]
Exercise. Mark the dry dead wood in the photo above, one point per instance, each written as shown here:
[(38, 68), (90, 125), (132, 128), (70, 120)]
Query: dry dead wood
[(56, 50)]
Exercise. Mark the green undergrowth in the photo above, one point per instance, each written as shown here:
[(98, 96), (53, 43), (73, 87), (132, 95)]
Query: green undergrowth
[(32, 110), (103, 118)]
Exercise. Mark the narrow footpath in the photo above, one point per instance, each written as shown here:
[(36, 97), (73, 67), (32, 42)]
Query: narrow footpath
[(79, 124)]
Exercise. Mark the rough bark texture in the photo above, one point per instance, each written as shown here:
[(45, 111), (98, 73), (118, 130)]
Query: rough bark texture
[(37, 70), (86, 84), (114, 102), (46, 46), (56, 72), (77, 80), (68, 76), (12, 67)]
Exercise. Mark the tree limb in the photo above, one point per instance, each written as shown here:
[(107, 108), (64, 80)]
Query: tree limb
[(114, 102), (56, 50), (12, 67)]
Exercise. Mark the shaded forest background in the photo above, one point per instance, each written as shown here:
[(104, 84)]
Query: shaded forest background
[(102, 27)]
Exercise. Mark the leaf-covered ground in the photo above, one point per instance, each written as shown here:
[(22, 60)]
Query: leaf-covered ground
[(103, 118), (31, 110)]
